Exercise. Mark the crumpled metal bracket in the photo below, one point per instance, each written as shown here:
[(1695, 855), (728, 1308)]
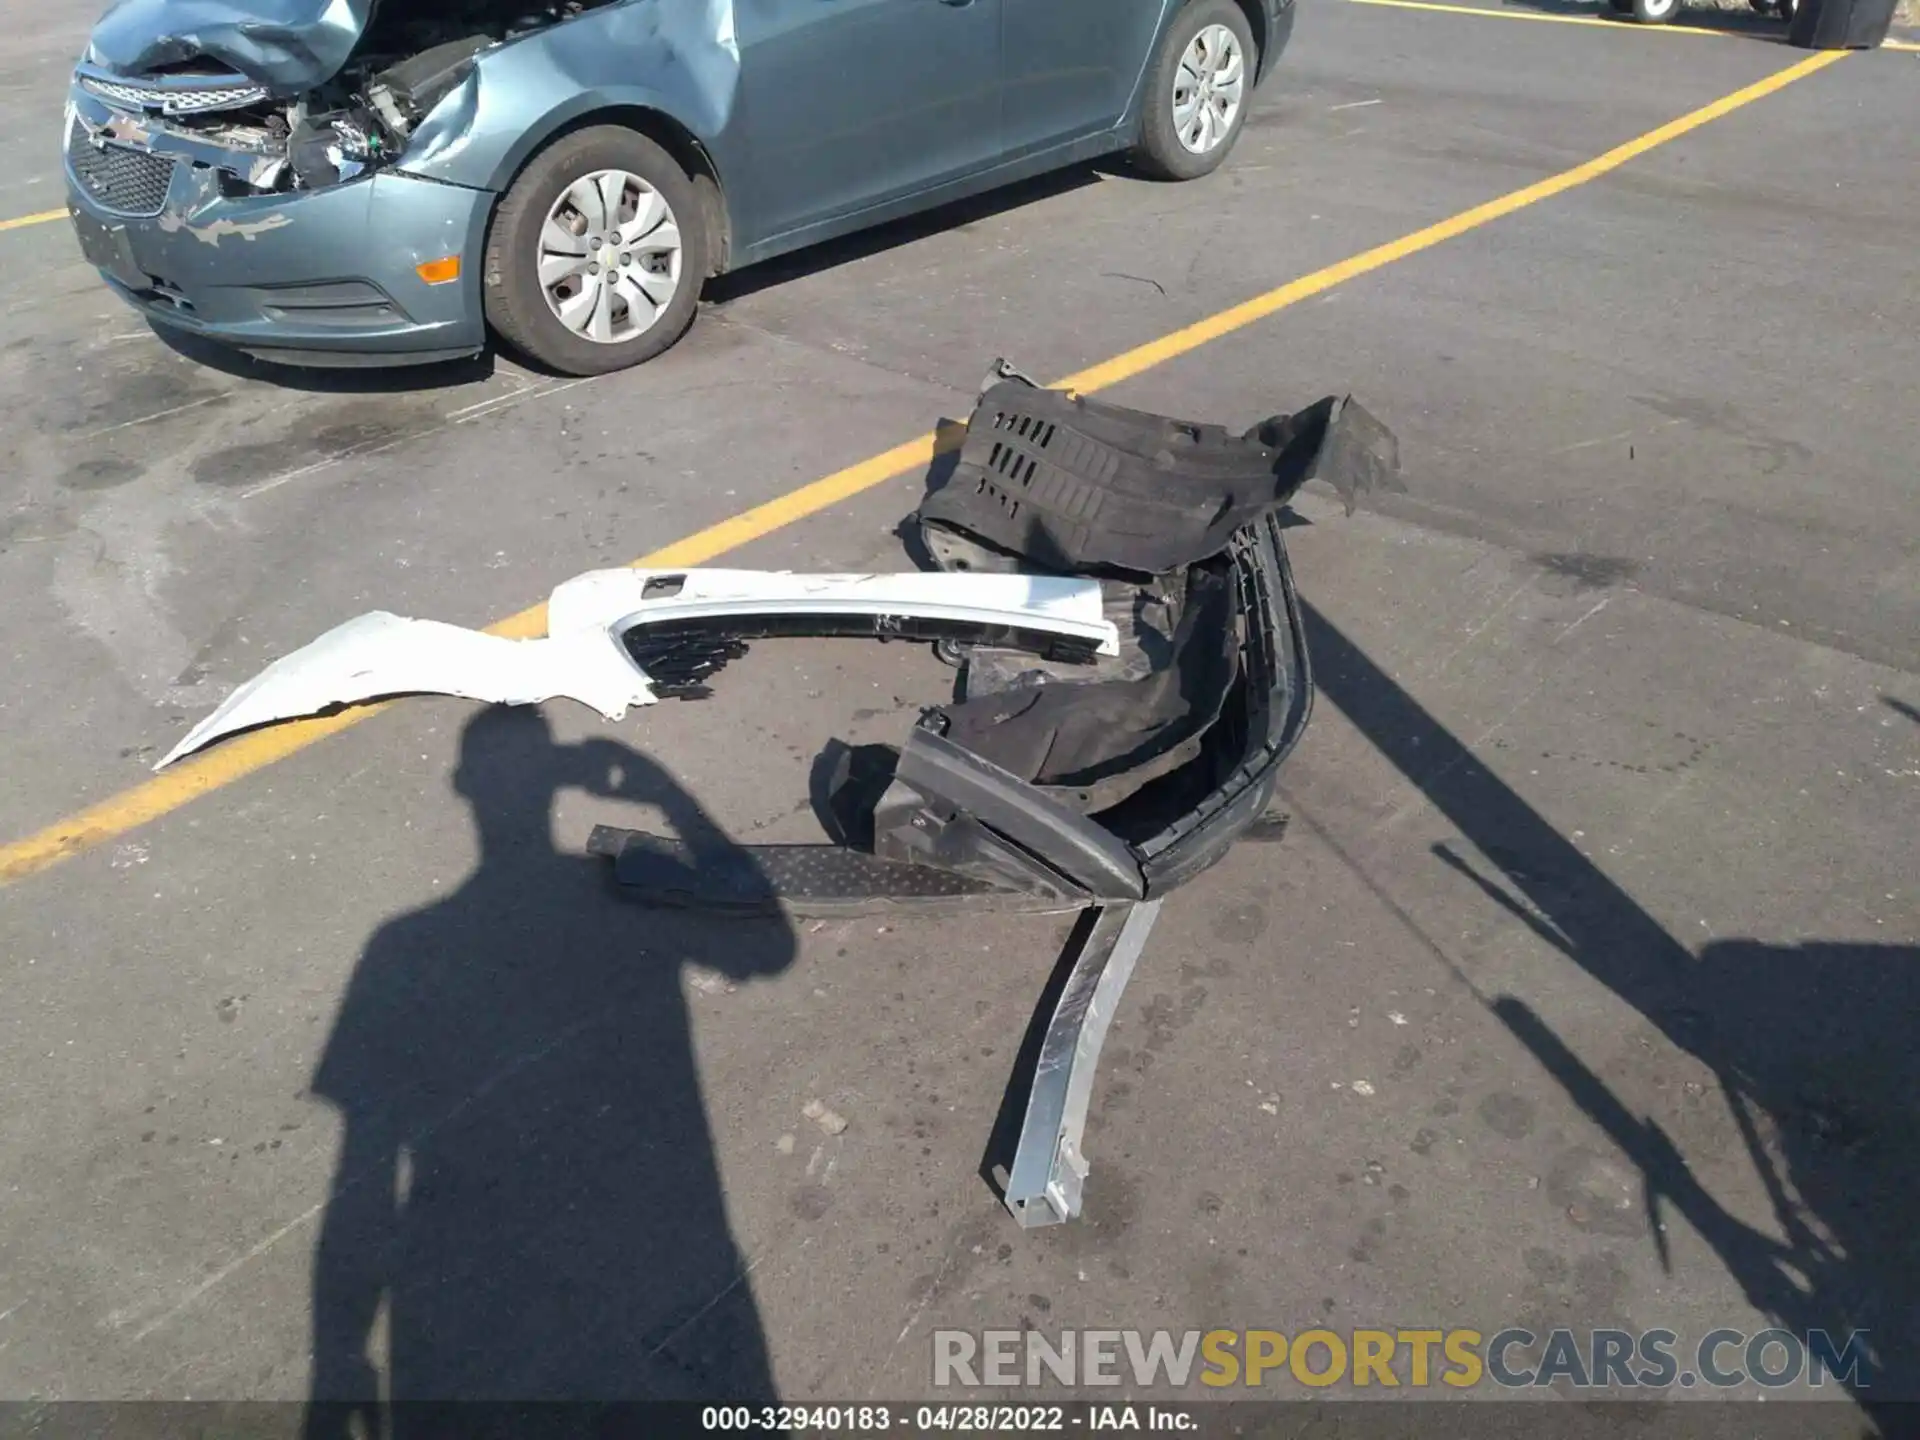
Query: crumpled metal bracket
[(1049, 1170)]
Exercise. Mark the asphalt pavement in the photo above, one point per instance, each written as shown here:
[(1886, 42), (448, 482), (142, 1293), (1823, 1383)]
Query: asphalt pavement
[(1578, 992)]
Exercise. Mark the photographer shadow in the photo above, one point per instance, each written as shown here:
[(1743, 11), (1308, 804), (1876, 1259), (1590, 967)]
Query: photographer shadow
[(1809, 1043), (526, 1204)]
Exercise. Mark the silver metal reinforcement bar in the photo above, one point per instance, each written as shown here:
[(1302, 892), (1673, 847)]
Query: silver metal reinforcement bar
[(1049, 1170)]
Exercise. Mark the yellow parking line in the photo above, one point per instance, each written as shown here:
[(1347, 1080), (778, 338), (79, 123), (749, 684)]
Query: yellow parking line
[(47, 216), (245, 754), (20, 222)]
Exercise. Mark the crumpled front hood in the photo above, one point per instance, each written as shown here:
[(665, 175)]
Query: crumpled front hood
[(289, 45)]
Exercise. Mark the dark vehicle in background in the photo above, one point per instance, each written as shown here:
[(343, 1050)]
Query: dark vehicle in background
[(1659, 12), (383, 181)]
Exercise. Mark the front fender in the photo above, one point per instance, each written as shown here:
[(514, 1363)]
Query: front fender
[(676, 57), (1130, 119)]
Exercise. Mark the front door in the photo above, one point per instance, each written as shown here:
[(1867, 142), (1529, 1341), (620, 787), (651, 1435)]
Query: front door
[(849, 103)]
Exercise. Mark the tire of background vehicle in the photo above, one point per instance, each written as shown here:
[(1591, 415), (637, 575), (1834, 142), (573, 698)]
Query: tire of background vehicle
[(1655, 12), (516, 300), (1161, 153)]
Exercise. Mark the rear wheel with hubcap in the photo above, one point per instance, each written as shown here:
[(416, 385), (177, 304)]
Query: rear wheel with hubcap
[(1198, 92), (597, 254), (1655, 12)]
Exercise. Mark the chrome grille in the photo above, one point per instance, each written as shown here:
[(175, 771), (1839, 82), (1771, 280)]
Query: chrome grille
[(176, 100), (128, 182)]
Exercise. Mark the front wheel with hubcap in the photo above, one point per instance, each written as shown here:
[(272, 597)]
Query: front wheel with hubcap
[(1198, 93), (597, 253), (1655, 12)]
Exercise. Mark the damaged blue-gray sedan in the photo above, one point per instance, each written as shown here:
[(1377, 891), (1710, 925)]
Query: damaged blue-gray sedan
[(384, 181)]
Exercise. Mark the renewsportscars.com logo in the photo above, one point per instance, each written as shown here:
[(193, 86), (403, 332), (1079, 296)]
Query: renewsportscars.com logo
[(1513, 1358)]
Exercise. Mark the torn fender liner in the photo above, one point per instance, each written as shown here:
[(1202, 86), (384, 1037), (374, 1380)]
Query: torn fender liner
[(1071, 484), (1095, 742), (287, 44), (622, 637)]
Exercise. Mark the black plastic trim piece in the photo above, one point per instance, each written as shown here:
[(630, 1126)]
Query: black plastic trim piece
[(1277, 686), (1081, 849), (806, 880), (691, 648), (893, 626)]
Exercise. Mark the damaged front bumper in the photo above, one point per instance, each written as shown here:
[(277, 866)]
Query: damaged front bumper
[(1083, 767), (952, 832), (622, 637), (274, 174), (1042, 789), (174, 221)]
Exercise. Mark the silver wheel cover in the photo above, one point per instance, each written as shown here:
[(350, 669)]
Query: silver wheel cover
[(609, 257), (1208, 89)]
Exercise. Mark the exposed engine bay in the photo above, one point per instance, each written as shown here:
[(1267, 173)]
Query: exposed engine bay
[(411, 56)]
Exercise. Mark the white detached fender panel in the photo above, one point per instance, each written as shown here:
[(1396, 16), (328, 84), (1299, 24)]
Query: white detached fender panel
[(585, 657)]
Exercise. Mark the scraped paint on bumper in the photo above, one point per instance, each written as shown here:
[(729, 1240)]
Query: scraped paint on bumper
[(313, 274)]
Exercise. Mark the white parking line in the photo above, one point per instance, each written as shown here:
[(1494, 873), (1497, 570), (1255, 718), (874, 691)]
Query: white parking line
[(157, 415), (455, 417)]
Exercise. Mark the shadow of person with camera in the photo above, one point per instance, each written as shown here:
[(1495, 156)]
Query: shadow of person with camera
[(526, 1200)]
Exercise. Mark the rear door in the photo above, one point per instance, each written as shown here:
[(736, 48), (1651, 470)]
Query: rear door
[(849, 103), (1070, 66)]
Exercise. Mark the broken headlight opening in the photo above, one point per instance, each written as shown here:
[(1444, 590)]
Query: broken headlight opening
[(1115, 590), (409, 59)]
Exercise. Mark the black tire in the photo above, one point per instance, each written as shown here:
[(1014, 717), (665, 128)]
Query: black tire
[(1655, 12), (516, 303), (1160, 152)]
